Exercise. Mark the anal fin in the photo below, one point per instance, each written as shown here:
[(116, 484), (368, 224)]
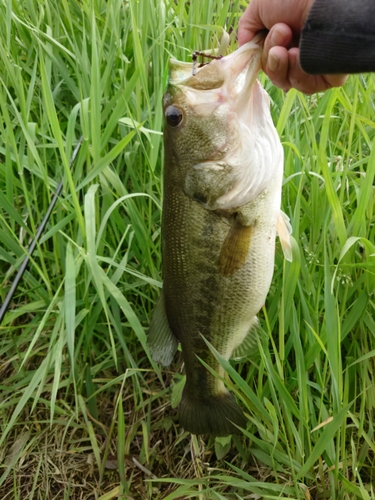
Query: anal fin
[(249, 345), (161, 341)]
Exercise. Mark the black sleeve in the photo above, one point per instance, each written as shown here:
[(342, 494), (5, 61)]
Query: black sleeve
[(339, 37)]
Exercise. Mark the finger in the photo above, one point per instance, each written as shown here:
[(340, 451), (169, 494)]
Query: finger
[(277, 67), (280, 35), (335, 80), (275, 57), (249, 24), (309, 84)]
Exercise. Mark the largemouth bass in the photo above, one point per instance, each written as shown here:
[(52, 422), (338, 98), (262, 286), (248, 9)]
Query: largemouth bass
[(222, 191)]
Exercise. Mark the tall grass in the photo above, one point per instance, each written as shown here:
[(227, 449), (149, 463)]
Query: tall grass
[(84, 412)]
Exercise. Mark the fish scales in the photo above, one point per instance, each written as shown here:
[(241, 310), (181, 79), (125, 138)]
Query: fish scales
[(221, 206)]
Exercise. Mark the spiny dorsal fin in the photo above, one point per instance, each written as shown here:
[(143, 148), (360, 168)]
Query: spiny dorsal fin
[(235, 248)]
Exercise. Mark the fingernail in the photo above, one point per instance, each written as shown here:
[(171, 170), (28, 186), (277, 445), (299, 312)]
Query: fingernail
[(274, 38), (277, 36), (273, 61)]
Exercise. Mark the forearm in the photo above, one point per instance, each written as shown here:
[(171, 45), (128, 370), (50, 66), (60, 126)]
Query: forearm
[(339, 37)]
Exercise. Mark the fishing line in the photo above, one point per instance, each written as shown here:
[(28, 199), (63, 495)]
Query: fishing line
[(194, 57), (33, 244)]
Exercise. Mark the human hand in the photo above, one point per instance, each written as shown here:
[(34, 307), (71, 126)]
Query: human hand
[(280, 59)]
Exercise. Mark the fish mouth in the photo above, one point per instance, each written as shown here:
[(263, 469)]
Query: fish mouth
[(247, 153), (233, 74), (226, 82), (179, 71)]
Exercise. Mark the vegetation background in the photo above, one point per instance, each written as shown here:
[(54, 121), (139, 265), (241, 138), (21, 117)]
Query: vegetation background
[(84, 412)]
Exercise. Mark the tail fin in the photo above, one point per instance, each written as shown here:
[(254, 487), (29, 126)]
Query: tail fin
[(214, 415)]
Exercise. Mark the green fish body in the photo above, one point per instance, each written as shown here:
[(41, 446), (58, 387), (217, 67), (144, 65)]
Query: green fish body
[(222, 191)]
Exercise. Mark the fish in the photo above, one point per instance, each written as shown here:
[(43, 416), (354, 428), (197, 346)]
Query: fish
[(223, 170)]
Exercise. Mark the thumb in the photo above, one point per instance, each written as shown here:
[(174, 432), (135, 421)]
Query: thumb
[(249, 24)]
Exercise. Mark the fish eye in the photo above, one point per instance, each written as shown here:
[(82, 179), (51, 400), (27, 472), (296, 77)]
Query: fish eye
[(173, 115)]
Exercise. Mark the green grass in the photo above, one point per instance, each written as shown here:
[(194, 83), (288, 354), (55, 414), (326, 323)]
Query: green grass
[(84, 412)]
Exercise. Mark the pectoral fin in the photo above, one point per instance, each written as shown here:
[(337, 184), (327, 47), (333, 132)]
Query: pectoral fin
[(161, 341), (235, 248), (284, 230)]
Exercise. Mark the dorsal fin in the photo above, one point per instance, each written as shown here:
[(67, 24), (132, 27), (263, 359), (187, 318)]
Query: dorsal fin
[(161, 341)]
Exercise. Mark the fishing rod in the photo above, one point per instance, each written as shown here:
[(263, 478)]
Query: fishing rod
[(33, 244)]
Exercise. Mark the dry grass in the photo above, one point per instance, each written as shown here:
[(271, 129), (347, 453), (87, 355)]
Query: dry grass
[(57, 460)]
